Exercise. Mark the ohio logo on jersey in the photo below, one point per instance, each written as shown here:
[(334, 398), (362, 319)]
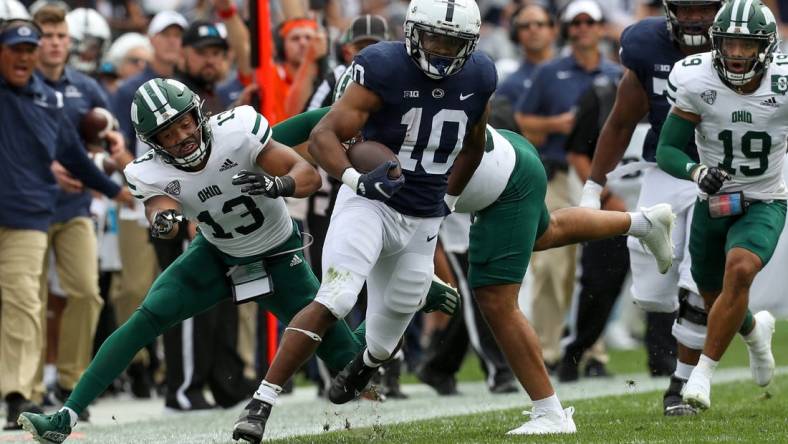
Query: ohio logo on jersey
[(779, 84), (173, 188), (709, 96)]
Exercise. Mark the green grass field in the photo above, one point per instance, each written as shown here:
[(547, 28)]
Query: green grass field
[(607, 411), (741, 412)]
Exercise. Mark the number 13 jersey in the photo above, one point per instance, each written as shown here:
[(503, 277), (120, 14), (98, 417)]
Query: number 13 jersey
[(742, 133), (238, 224)]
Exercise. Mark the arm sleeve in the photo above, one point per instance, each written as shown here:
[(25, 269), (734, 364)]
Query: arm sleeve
[(370, 71), (671, 158), (138, 188), (295, 130), (258, 130), (631, 52), (76, 160), (678, 93)]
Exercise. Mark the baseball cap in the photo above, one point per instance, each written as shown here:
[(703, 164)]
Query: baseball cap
[(202, 33), (578, 7), (164, 20), (366, 27), (17, 34)]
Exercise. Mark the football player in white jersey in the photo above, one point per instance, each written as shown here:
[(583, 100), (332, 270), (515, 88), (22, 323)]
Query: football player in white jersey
[(227, 174), (733, 101)]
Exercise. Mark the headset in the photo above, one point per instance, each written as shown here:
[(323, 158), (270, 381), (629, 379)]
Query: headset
[(513, 31)]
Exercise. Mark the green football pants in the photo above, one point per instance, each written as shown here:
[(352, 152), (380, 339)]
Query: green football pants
[(197, 281)]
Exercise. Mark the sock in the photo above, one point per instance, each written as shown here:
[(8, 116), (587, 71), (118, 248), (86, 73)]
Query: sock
[(549, 404), (267, 392), (748, 325), (683, 371), (370, 360), (706, 366), (72, 415), (639, 226)]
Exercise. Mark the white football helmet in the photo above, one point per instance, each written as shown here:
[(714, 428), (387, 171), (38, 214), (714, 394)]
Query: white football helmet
[(12, 9), (90, 38), (454, 21)]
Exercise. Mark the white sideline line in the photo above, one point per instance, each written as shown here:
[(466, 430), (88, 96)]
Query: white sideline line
[(122, 421)]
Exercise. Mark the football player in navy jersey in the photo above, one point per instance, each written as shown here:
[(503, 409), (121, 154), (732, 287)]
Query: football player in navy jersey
[(426, 100), (649, 49)]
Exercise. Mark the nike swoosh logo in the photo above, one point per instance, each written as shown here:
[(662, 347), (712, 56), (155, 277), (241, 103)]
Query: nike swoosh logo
[(380, 190), (430, 238), (463, 96)]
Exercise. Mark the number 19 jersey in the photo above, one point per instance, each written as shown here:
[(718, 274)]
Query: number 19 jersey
[(743, 133), (238, 224)]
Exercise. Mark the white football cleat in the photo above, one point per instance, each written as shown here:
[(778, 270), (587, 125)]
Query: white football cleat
[(759, 346), (697, 391), (659, 241), (547, 423)]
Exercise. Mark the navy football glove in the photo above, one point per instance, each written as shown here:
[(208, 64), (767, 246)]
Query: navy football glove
[(164, 222), (377, 184), (710, 180), (265, 184)]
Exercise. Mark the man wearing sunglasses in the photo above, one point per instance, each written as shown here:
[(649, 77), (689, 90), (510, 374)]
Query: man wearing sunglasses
[(544, 115), (533, 30)]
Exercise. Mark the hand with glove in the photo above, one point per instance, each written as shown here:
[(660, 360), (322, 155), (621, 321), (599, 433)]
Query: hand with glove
[(442, 296), (265, 184), (709, 180), (165, 224), (592, 195), (378, 185)]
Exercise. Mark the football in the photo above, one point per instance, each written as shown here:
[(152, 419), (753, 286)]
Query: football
[(95, 124), (367, 155)]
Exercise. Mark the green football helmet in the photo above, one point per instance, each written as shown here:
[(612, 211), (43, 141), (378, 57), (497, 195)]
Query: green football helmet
[(747, 20), (156, 105)]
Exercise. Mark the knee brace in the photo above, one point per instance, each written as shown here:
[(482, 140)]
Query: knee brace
[(690, 326)]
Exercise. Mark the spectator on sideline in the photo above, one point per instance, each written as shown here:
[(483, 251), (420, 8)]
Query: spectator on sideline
[(533, 29), (545, 116), (37, 132)]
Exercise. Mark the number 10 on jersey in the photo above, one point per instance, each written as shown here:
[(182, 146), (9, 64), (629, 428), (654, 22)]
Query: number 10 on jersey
[(429, 159)]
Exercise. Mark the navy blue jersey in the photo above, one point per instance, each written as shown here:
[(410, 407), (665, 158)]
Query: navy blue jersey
[(649, 52), (422, 120), (35, 132), (81, 93)]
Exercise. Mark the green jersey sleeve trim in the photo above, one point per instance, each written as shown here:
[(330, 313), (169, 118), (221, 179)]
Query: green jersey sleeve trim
[(675, 135), (257, 124), (295, 130)]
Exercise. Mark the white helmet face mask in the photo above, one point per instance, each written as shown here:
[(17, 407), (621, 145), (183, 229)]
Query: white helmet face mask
[(440, 35)]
